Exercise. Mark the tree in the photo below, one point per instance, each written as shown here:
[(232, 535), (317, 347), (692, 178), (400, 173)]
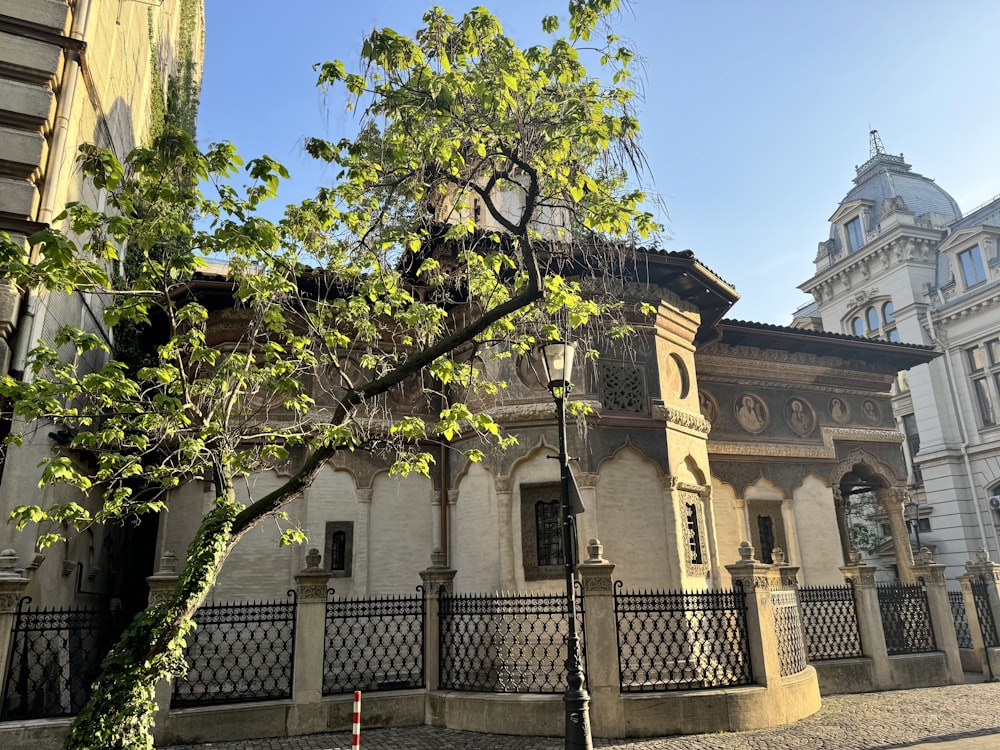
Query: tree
[(381, 277)]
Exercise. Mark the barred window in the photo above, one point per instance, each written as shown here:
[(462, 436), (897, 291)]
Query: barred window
[(541, 531), (765, 530), (548, 531), (694, 535), (339, 548)]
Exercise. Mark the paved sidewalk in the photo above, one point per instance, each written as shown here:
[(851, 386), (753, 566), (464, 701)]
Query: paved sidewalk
[(961, 717)]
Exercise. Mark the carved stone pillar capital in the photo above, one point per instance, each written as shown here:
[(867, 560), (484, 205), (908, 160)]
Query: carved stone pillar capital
[(313, 580), (595, 572), (438, 581)]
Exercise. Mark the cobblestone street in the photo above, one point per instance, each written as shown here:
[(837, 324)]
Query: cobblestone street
[(961, 717)]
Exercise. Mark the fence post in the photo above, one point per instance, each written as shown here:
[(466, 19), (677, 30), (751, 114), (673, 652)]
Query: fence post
[(866, 607), (758, 580), (601, 641), (975, 627), (939, 608), (438, 580), (307, 714), (11, 590), (161, 588), (988, 571)]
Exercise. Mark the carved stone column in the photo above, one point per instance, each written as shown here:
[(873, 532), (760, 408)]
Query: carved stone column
[(362, 542), (603, 680), (942, 621), (12, 588), (307, 714), (869, 614), (505, 527), (893, 501), (438, 581), (840, 507)]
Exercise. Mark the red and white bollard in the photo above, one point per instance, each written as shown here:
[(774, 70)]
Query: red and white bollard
[(356, 727)]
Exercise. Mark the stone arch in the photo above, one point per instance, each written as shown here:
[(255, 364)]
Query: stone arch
[(628, 446), (688, 469), (864, 472)]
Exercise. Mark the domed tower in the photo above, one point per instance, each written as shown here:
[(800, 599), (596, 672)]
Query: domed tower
[(882, 252)]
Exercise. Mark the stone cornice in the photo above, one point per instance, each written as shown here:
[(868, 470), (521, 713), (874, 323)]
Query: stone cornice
[(682, 418), (903, 242), (976, 304), (723, 359), (827, 450)]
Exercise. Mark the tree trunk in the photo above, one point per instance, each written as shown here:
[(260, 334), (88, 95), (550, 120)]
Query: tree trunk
[(119, 713)]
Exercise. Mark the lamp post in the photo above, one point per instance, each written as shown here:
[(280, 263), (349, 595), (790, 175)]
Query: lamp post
[(914, 506), (558, 360)]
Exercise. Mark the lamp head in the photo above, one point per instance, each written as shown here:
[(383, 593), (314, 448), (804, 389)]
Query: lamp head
[(557, 356)]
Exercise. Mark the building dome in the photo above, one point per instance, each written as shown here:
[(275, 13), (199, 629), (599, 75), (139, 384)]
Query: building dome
[(887, 183)]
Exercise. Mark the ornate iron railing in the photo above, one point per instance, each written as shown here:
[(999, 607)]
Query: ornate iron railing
[(788, 632), (987, 625), (55, 656), (503, 643), (374, 643), (830, 622), (961, 618), (671, 640), (906, 619), (238, 653)]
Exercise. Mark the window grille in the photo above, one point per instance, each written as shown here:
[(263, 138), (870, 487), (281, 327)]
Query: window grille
[(622, 387)]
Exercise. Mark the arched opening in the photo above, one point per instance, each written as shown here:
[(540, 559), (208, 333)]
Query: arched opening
[(863, 486)]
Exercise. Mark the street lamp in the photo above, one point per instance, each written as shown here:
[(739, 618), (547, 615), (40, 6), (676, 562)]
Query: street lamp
[(558, 359), (914, 506)]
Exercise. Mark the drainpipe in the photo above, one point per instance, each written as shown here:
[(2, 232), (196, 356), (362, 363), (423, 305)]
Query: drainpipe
[(64, 109), (29, 327), (964, 433)]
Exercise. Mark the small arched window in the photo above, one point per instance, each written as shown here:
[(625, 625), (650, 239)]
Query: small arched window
[(876, 321), (871, 314)]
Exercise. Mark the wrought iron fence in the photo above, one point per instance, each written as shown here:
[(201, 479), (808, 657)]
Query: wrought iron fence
[(374, 644), (961, 618), (984, 612), (830, 622), (503, 643), (238, 653), (671, 640), (55, 656), (788, 632), (906, 619)]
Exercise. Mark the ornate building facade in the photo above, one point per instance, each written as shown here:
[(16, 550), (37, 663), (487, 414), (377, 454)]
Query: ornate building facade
[(75, 72), (902, 263), (703, 433)]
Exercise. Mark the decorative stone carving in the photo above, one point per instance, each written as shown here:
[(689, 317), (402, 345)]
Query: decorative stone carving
[(871, 412), (800, 416), (682, 418), (840, 410), (312, 580), (751, 413)]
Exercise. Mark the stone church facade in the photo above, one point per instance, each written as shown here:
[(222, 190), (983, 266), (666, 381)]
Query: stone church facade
[(703, 433)]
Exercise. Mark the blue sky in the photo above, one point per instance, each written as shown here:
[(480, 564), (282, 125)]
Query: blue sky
[(754, 114)]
